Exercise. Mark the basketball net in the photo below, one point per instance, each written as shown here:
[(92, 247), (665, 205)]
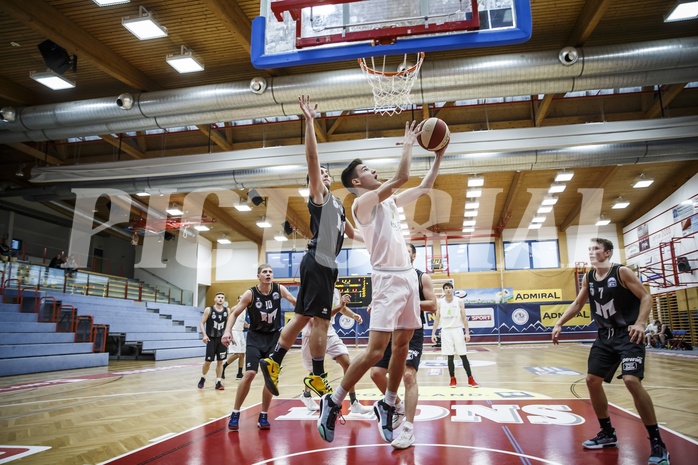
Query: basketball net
[(391, 90)]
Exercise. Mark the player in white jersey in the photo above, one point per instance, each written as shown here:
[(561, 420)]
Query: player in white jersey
[(336, 349), (237, 351), (454, 323), (395, 294)]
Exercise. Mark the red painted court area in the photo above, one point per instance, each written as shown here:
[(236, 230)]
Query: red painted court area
[(529, 432)]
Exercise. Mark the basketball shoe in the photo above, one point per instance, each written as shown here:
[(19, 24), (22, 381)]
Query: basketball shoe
[(660, 456), (234, 422), (453, 382), (219, 386), (329, 412), (384, 413), (318, 384), (405, 440), (309, 402), (471, 382), (602, 440), (201, 383), (270, 370), (263, 422), (357, 407)]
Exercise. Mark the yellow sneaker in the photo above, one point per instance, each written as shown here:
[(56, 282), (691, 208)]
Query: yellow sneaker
[(270, 369), (318, 384)]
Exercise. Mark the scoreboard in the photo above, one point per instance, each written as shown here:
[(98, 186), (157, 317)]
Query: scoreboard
[(358, 287)]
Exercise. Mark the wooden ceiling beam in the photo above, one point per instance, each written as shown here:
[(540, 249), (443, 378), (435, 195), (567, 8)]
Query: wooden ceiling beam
[(32, 152), (234, 19), (49, 22), (16, 93), (216, 138), (511, 193), (587, 21), (320, 132), (214, 211), (122, 145), (543, 107), (605, 176), (281, 203), (667, 94), (337, 122)]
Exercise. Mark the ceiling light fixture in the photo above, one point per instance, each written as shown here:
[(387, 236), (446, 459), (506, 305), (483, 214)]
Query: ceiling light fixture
[(184, 62), (472, 205), (620, 204), (467, 223), (224, 240), (202, 227), (471, 213), (551, 200), (144, 26), (603, 221), (468, 230), (557, 188), (682, 11), (110, 2), (535, 225), (476, 181), (544, 210), (642, 182), (564, 176), (538, 219), (52, 80), (263, 223), (242, 206), (174, 211), (472, 193), (143, 194), (280, 237)]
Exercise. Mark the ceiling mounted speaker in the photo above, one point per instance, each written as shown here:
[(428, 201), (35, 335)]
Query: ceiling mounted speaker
[(288, 229), (255, 198), (57, 58), (683, 265)]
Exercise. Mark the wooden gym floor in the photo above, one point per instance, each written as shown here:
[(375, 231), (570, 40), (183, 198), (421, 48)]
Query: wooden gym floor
[(531, 408)]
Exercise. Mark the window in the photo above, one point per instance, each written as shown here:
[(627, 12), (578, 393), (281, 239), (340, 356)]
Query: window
[(531, 255), (470, 257)]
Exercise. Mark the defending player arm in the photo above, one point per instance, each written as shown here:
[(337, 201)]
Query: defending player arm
[(317, 189)]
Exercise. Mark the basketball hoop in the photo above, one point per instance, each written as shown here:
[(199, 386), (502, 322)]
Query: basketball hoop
[(391, 90)]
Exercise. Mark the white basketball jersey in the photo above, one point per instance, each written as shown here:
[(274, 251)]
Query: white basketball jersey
[(239, 324), (383, 238), (450, 314)]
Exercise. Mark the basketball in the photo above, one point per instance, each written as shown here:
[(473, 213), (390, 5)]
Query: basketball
[(435, 135)]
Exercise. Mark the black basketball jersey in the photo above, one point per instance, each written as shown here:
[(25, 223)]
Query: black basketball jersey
[(265, 310), (421, 294), (612, 304), (215, 324), (327, 225)]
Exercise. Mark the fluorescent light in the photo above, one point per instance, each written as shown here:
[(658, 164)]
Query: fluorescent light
[(224, 241), (404, 226), (406, 232), (402, 217), (185, 62), (535, 225), (263, 223), (682, 11), (472, 205), (557, 188), (469, 223), (52, 80), (538, 219), (144, 26), (476, 181), (544, 210), (603, 221), (242, 206), (470, 213), (620, 204), (280, 238), (143, 194), (110, 2), (473, 193), (202, 227), (552, 200), (642, 182), (468, 230), (304, 191), (564, 176), (174, 211)]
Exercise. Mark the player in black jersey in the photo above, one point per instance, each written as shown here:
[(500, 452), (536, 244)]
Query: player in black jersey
[(263, 304), (621, 307), (379, 373), (318, 269), (212, 326)]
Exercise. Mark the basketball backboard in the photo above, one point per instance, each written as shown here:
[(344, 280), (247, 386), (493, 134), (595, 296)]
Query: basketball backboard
[(298, 32)]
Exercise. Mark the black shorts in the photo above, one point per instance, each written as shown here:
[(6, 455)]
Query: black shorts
[(613, 348), (259, 345), (414, 353), (317, 288), (215, 350)]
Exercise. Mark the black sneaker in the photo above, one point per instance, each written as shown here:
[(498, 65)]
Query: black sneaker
[(602, 440), (384, 413), (239, 376), (659, 456), (219, 386), (201, 382)]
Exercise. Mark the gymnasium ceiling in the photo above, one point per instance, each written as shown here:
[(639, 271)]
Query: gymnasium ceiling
[(112, 62)]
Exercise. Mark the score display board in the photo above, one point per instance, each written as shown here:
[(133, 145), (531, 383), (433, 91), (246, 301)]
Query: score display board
[(358, 287)]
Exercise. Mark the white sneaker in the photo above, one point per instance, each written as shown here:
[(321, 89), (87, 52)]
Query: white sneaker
[(357, 407), (405, 440), (399, 414), (310, 403)]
